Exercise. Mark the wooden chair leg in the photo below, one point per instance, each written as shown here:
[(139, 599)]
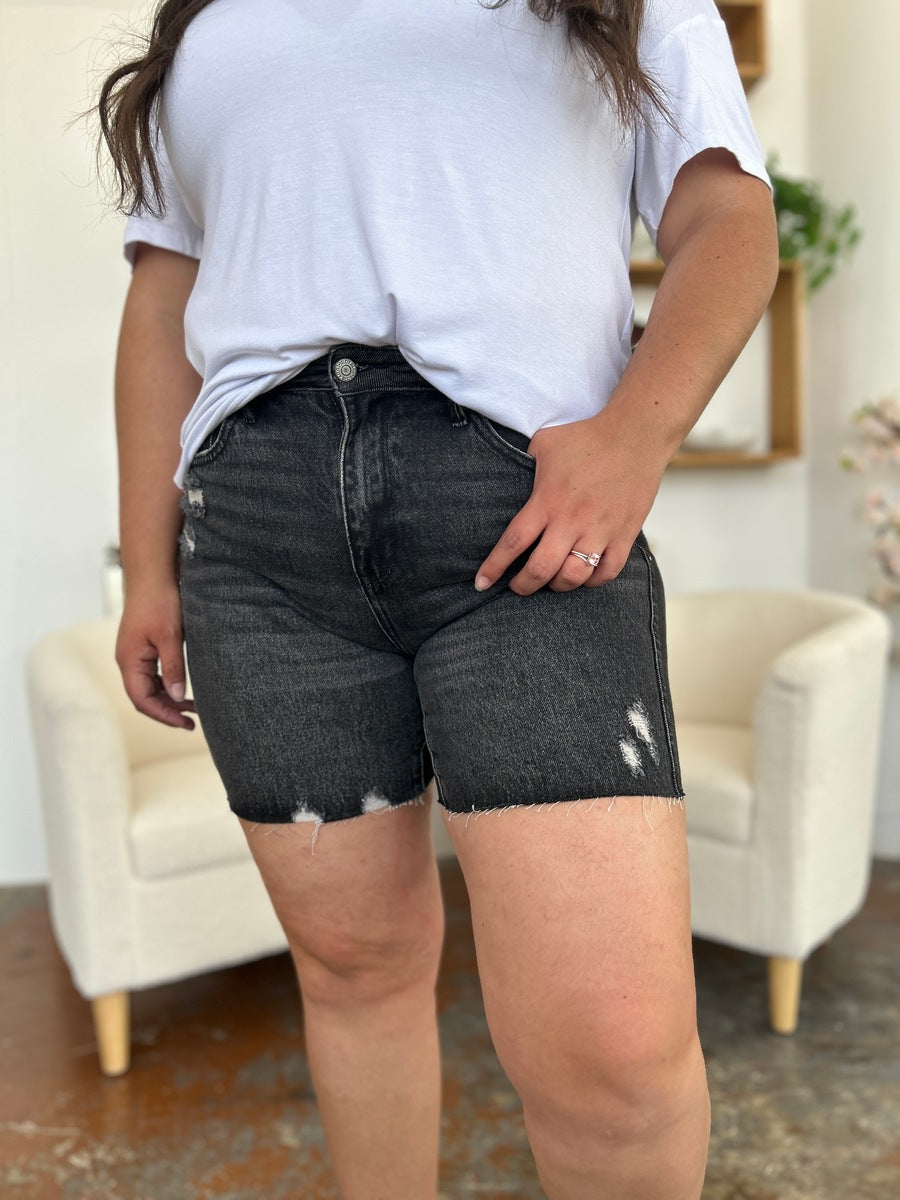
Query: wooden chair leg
[(112, 1026), (785, 976)]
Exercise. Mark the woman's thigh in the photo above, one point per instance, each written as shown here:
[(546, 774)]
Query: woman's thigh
[(365, 910), (581, 917)]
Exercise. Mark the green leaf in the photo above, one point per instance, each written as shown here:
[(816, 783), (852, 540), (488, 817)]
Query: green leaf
[(809, 228)]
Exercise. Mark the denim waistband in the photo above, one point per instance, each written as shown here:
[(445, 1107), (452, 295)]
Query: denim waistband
[(358, 367)]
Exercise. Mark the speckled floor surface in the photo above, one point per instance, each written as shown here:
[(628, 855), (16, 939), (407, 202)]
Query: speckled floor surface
[(219, 1104)]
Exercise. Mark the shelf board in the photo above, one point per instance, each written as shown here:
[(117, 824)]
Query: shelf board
[(727, 458), (751, 72), (646, 272)]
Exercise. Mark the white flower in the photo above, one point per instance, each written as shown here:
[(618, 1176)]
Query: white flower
[(876, 427), (889, 408), (874, 498), (881, 593)]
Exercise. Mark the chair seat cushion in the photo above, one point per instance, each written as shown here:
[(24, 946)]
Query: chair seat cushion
[(717, 773), (180, 819)]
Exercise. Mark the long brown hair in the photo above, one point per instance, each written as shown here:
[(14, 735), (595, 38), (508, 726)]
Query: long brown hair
[(606, 31)]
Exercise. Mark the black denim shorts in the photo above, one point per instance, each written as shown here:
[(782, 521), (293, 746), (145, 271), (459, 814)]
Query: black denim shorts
[(339, 653)]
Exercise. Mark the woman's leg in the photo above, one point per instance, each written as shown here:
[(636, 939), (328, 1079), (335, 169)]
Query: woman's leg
[(308, 704), (581, 915), (365, 921)]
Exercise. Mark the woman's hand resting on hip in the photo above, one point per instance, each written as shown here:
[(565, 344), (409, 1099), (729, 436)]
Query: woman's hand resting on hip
[(594, 486)]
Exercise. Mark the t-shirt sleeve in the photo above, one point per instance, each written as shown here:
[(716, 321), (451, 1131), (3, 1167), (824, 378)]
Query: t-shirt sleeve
[(693, 64), (174, 230)]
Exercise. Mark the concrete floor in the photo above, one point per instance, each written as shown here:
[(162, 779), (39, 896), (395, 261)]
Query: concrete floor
[(218, 1102)]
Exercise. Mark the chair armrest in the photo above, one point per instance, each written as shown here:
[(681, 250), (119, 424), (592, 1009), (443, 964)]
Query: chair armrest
[(811, 661), (85, 787), (817, 724)]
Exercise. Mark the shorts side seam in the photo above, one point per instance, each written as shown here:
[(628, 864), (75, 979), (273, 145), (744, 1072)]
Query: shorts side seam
[(656, 663)]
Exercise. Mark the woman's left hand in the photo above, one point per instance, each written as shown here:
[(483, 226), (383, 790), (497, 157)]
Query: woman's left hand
[(595, 483)]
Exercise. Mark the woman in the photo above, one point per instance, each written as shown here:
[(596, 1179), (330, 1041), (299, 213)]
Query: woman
[(381, 293)]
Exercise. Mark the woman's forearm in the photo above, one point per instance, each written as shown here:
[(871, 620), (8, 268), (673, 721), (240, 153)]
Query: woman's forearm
[(596, 479), (714, 290), (155, 386)]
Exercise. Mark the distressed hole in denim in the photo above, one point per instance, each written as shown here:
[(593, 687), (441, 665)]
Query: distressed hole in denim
[(195, 501), (631, 756), (188, 541), (648, 804), (639, 720), (375, 801)]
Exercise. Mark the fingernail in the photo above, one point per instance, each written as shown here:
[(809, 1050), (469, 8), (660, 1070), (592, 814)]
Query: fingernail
[(481, 582), (176, 690)]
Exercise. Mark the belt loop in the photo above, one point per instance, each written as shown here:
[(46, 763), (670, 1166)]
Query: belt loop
[(458, 414)]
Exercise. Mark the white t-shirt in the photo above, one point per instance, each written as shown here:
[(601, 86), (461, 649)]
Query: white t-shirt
[(430, 174)]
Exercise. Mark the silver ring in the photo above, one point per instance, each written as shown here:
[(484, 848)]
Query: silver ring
[(593, 559)]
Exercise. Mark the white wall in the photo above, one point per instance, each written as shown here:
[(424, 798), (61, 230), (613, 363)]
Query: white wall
[(59, 318), (65, 282), (854, 321)]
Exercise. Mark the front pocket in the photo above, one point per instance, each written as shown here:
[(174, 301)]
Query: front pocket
[(508, 442), (214, 442)]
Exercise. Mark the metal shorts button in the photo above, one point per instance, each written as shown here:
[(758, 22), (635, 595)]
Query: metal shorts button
[(345, 368)]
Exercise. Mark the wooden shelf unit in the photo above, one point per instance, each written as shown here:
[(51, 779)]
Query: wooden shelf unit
[(746, 23), (786, 382)]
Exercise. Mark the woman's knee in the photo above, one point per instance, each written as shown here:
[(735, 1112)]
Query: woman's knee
[(370, 963), (575, 1039), (631, 1089)]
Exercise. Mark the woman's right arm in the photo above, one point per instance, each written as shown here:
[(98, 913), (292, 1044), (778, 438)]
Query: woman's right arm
[(155, 387)]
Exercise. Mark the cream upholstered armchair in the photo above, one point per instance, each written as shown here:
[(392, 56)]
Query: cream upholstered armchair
[(778, 699), (151, 879)]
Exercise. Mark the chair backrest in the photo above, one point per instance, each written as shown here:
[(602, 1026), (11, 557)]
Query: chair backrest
[(86, 652), (721, 644)]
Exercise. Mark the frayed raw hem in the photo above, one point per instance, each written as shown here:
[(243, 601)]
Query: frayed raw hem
[(646, 805), (372, 802)]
